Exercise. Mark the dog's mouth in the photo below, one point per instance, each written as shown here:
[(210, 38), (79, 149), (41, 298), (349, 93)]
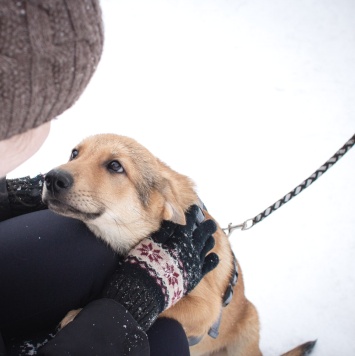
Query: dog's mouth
[(65, 209)]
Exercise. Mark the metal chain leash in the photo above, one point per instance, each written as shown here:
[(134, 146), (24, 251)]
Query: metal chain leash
[(305, 184)]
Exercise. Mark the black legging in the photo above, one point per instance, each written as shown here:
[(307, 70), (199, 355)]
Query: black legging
[(49, 265)]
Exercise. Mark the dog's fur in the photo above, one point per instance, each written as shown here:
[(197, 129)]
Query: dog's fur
[(124, 207)]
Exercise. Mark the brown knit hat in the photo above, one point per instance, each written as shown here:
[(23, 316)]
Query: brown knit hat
[(49, 49)]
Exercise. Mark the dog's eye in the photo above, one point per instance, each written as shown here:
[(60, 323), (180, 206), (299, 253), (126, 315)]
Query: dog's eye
[(74, 154), (115, 166)]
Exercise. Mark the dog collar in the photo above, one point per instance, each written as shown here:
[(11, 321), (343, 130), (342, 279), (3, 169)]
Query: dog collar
[(227, 298)]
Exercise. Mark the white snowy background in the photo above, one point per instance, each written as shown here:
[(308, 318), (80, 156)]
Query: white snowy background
[(248, 98)]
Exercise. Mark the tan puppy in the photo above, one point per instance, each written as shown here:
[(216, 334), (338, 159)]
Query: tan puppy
[(122, 193)]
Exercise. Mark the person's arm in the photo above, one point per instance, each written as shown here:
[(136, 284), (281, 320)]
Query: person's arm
[(163, 268), (20, 196), (104, 327), (139, 291)]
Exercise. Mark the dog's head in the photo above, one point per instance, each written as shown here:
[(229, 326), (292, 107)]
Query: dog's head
[(119, 189)]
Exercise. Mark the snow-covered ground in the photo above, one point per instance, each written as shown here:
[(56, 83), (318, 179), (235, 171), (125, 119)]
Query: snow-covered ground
[(248, 98)]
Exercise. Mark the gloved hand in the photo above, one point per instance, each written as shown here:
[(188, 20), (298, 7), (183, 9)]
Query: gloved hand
[(20, 196), (163, 268)]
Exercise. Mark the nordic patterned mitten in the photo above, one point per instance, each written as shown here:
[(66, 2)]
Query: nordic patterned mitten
[(163, 268)]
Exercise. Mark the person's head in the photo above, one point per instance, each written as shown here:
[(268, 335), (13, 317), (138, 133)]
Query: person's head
[(49, 50)]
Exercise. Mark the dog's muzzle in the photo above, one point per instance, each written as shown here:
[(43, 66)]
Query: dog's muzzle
[(58, 181), (58, 185)]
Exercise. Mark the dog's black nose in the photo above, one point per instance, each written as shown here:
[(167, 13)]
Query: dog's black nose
[(58, 180)]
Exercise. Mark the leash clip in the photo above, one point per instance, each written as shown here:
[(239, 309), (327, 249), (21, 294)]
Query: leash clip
[(247, 224)]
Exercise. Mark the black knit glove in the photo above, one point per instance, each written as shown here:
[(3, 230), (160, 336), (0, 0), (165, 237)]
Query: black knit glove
[(161, 269), (20, 196)]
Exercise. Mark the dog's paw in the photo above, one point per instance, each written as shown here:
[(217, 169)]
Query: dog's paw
[(69, 318)]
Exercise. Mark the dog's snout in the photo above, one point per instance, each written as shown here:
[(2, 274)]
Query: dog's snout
[(58, 180)]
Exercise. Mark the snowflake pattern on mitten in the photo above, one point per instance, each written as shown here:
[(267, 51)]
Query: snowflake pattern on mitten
[(167, 272)]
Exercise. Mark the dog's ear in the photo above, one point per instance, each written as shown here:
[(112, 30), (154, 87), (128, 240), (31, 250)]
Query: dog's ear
[(172, 210), (174, 213), (178, 191)]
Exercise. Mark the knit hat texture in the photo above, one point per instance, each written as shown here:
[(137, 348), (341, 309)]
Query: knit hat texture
[(49, 50)]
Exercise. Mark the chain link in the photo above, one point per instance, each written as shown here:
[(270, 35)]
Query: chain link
[(305, 184)]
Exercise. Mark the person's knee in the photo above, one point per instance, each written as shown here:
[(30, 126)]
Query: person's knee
[(49, 264)]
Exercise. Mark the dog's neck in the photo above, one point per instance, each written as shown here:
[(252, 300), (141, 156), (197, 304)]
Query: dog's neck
[(121, 237)]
